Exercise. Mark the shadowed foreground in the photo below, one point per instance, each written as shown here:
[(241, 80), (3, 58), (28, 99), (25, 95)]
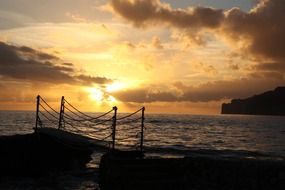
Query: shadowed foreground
[(34, 154), (40, 153), (129, 171)]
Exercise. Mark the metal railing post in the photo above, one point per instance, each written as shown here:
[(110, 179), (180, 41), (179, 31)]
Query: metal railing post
[(114, 127), (61, 112), (142, 129), (37, 112)]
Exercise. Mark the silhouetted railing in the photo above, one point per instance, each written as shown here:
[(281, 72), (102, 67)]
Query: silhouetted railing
[(130, 129), (127, 130), (46, 116)]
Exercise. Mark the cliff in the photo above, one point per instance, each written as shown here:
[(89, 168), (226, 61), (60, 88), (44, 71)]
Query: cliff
[(268, 103)]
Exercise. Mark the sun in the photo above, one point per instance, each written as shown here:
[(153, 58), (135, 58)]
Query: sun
[(99, 96), (112, 100), (96, 94), (116, 86)]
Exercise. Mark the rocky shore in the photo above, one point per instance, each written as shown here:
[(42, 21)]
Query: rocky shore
[(125, 171), (37, 153)]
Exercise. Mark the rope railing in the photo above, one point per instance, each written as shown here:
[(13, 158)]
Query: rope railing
[(88, 116), (46, 115), (92, 126), (48, 105), (93, 120), (52, 115), (47, 119), (127, 116), (130, 129), (107, 127)]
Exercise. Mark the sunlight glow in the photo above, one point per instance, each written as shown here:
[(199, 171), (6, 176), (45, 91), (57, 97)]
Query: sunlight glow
[(100, 97), (115, 87), (96, 94), (111, 99)]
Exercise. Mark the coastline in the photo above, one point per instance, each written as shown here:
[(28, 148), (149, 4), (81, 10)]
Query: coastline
[(38, 155), (35, 154), (122, 171)]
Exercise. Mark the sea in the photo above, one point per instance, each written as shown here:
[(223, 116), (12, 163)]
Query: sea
[(165, 135)]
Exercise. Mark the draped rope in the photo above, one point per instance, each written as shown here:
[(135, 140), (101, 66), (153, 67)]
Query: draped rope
[(101, 127), (49, 106), (90, 117), (48, 112)]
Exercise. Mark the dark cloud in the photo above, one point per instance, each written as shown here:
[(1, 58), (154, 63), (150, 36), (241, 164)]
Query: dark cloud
[(212, 91), (146, 12), (276, 66), (144, 95), (68, 64), (89, 80), (223, 89), (268, 74), (25, 63), (261, 29), (34, 53)]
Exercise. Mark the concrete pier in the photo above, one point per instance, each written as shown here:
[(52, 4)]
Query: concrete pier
[(33, 154), (124, 171)]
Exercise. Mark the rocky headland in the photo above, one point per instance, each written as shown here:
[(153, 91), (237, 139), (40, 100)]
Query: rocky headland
[(267, 103)]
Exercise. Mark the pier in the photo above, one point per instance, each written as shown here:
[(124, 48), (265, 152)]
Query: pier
[(66, 138), (106, 130)]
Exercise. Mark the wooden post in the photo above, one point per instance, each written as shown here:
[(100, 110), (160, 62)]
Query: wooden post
[(61, 112), (37, 112), (114, 127), (142, 129)]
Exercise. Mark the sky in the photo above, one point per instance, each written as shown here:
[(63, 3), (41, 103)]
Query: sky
[(186, 56)]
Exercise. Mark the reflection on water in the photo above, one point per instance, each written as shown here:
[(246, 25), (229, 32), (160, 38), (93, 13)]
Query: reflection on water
[(235, 132), (164, 135)]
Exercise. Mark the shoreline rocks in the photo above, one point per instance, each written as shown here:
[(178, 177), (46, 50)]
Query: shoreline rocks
[(36, 153), (198, 172)]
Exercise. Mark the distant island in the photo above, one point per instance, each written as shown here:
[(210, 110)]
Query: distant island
[(267, 103)]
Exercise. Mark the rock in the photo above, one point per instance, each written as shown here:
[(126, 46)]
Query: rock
[(268, 103), (34, 154), (194, 172)]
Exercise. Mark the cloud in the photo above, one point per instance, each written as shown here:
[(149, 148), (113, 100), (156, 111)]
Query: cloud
[(258, 33), (35, 54), (89, 80), (156, 43), (143, 95), (27, 64), (233, 66), (262, 28), (49, 11), (211, 91), (147, 12), (275, 66), (9, 20), (204, 68)]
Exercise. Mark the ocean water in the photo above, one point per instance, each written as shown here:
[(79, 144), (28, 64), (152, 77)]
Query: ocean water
[(164, 135), (264, 134)]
